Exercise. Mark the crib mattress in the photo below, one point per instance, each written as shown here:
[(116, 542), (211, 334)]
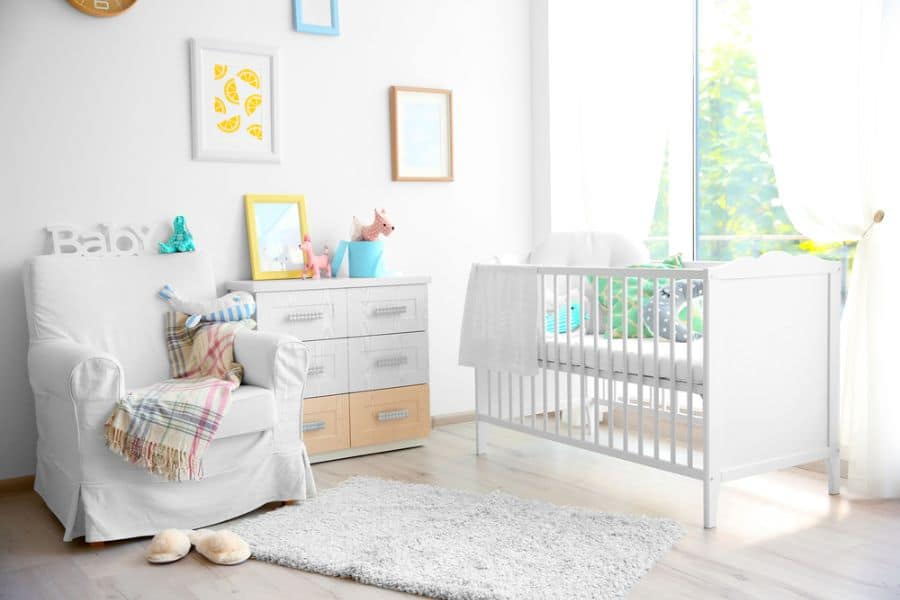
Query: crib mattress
[(594, 357)]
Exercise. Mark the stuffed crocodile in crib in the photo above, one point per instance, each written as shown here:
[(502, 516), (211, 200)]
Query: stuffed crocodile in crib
[(233, 306)]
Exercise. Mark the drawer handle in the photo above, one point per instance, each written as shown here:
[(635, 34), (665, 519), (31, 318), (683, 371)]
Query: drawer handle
[(392, 361), (393, 415), (313, 426), (315, 371), (382, 311), (305, 316)]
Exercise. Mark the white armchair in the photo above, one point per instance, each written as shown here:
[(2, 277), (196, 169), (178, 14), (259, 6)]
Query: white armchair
[(94, 321)]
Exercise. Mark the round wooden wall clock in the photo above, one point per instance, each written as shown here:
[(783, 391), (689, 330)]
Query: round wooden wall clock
[(102, 8)]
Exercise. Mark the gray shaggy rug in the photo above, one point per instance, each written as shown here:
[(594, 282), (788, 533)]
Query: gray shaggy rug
[(452, 544)]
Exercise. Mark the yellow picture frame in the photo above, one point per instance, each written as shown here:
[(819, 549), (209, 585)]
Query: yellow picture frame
[(269, 216)]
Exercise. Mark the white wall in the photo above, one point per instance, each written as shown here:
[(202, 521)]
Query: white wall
[(96, 125)]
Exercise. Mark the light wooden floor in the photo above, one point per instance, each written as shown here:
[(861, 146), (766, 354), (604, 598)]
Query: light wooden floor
[(780, 535)]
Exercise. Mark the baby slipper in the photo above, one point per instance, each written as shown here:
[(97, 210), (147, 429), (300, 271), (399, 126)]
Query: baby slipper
[(222, 547), (168, 546)]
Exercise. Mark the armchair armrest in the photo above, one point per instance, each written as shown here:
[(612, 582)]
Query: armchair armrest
[(75, 388), (277, 362), (65, 369)]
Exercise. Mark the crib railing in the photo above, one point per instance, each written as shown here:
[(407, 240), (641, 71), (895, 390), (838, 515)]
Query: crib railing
[(622, 387)]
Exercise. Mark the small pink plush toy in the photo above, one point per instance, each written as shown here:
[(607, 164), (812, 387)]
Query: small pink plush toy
[(316, 263), (370, 233)]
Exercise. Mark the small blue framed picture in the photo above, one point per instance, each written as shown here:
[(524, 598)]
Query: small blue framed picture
[(316, 16)]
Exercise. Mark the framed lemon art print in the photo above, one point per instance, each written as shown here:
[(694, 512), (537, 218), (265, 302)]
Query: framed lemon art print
[(234, 91)]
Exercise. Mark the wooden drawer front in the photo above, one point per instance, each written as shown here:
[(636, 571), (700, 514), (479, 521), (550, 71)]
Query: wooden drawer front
[(381, 416), (387, 361), (328, 371), (389, 309), (309, 315), (326, 423)]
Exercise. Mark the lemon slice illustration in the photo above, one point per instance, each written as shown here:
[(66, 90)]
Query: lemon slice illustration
[(220, 71), (230, 125), (255, 130), (251, 103), (219, 105), (231, 93), (249, 76)]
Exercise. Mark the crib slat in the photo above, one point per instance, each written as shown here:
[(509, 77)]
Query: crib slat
[(521, 399), (569, 354), (596, 322), (557, 344), (705, 396), (690, 366), (543, 280), (673, 391), (656, 391), (581, 341), (533, 401), (625, 369), (509, 396), (640, 328), (490, 400), (610, 387)]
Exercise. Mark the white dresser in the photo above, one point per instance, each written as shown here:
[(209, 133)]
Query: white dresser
[(368, 374)]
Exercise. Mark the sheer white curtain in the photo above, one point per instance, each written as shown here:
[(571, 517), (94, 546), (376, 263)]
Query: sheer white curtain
[(830, 82), (614, 73)]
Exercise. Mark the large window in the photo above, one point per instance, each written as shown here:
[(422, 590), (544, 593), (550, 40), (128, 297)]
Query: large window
[(679, 153)]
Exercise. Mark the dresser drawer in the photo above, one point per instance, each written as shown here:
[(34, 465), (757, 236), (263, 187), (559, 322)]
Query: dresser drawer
[(387, 309), (387, 361), (326, 423), (309, 314), (381, 416), (328, 371)]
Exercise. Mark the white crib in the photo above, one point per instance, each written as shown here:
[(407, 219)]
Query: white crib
[(757, 392)]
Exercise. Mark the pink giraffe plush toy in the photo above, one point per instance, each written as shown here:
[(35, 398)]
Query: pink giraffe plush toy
[(316, 263), (370, 233)]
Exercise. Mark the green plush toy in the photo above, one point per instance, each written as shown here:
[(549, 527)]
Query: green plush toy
[(636, 299), (181, 239)]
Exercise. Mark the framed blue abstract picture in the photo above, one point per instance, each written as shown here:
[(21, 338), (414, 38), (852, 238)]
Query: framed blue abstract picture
[(421, 134), (317, 16)]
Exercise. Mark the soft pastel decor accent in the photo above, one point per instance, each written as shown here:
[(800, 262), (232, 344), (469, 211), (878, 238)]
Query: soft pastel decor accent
[(303, 23), (369, 233), (166, 427), (635, 297), (276, 226), (313, 262), (230, 307), (181, 239), (365, 259)]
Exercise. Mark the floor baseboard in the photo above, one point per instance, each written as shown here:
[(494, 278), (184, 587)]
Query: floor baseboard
[(17, 484), (452, 418)]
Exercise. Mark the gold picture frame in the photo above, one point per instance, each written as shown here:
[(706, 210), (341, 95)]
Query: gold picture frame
[(421, 134), (273, 241)]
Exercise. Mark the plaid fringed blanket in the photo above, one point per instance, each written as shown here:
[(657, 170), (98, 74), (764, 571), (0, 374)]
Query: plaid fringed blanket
[(166, 427)]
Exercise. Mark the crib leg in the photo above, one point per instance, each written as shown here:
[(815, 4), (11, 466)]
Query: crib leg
[(480, 437), (710, 502), (833, 469)]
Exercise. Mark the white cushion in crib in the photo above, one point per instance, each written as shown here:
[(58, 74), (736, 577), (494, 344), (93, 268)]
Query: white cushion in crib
[(589, 249)]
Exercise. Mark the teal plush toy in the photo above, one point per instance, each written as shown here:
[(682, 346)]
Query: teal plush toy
[(181, 239)]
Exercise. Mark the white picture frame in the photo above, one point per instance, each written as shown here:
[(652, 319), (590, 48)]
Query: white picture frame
[(235, 103)]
